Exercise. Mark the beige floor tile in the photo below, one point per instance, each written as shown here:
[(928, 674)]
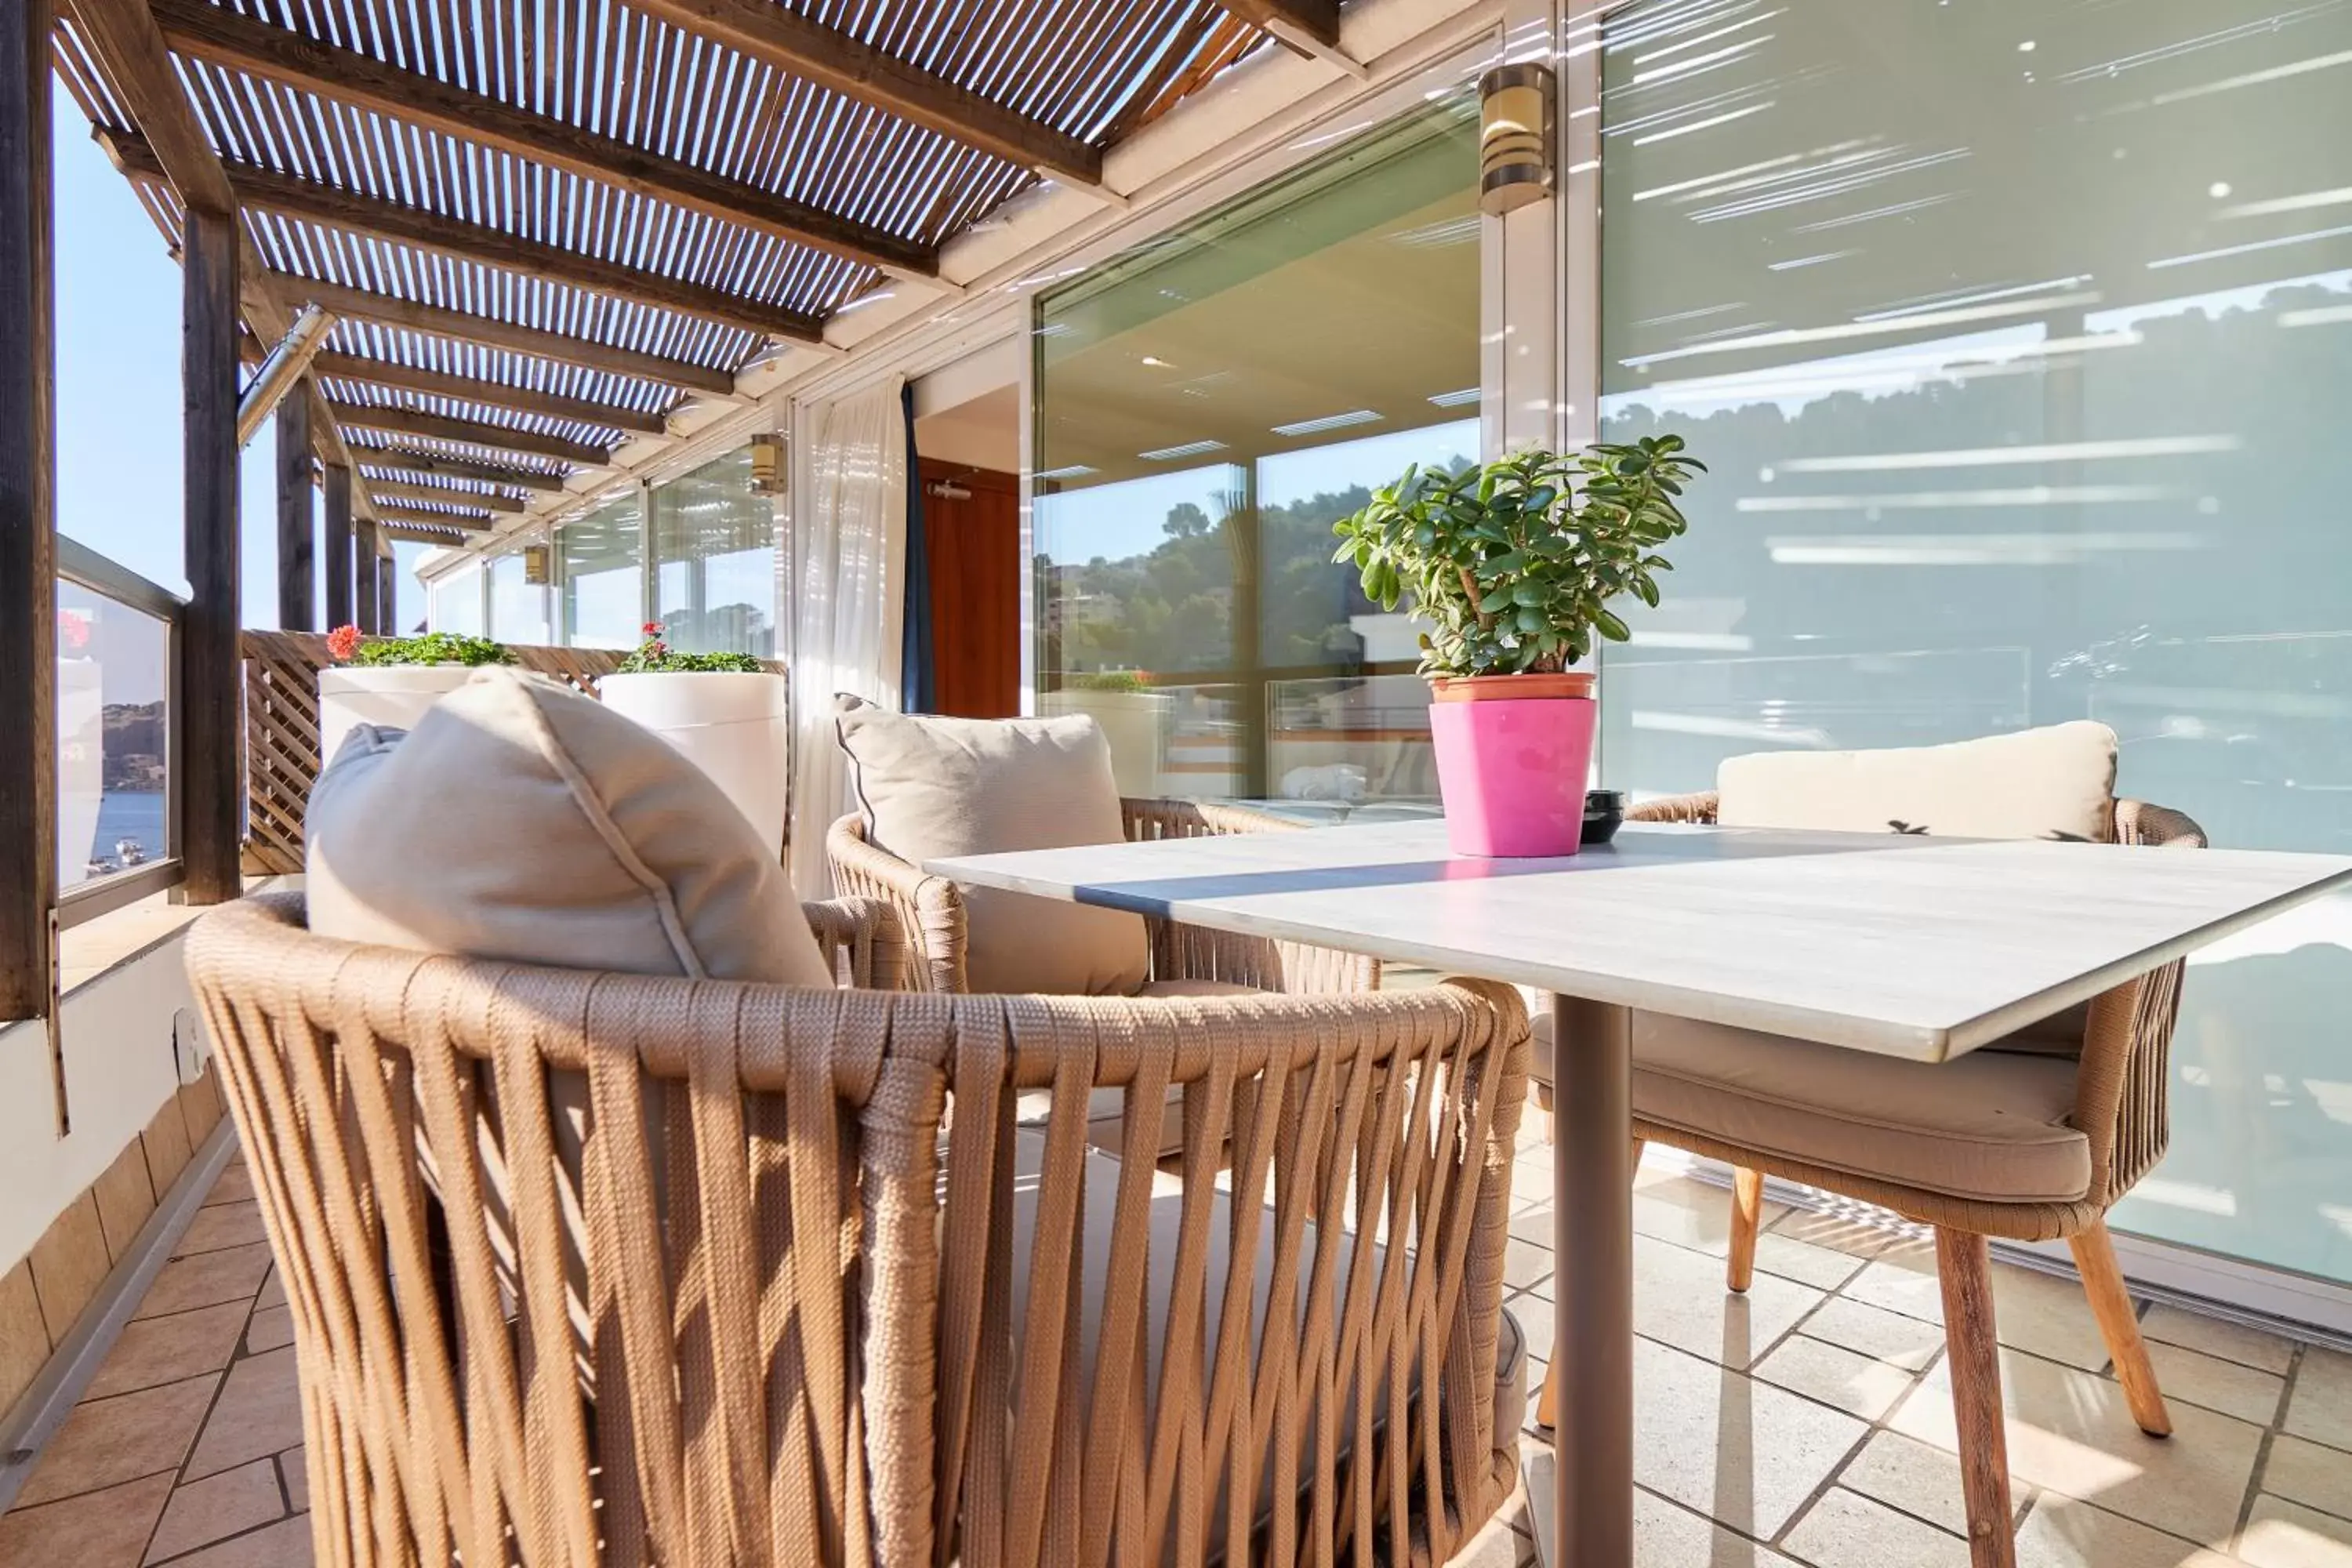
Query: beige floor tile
[(2063, 1534), (1839, 1232), (259, 1412), (1526, 1267), (235, 1186), (1536, 1315), (1679, 1299), (1834, 1376), (24, 1337), (2215, 1336), (2306, 1473), (1742, 1452), (70, 1263), (1846, 1530), (220, 1225), (285, 1544), (165, 1350), (1689, 1212), (2322, 1410), (216, 1508), (1875, 1333), (2039, 1313), (1665, 1536), (1531, 1223), (1823, 1267), (1501, 1542), (2247, 1393), (273, 1291), (101, 1529), (296, 1474), (1910, 1476), (1531, 1178), (205, 1280), (2069, 1430), (2280, 1534), (272, 1327), (125, 1198), (106, 1442)]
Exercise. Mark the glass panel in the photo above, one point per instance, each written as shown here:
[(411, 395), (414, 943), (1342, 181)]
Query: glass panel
[(113, 735), (2018, 338), (453, 601), (517, 607), (603, 576), (1207, 407), (715, 561)]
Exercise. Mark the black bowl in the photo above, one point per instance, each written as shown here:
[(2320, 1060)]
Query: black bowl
[(1604, 812)]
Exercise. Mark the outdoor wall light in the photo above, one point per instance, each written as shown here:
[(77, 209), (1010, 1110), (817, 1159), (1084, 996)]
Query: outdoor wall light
[(1515, 137), (767, 464)]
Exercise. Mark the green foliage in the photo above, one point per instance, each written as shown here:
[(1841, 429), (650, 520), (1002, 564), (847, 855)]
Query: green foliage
[(433, 647), (1516, 561), (670, 661), (1109, 680)]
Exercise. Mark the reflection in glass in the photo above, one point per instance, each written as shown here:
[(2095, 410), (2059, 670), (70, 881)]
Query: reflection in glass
[(453, 601), (714, 560), (603, 577), (517, 606), (113, 735), (2019, 339), (1207, 407)]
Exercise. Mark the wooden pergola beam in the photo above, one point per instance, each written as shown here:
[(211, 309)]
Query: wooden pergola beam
[(228, 38), (353, 212), (489, 394), (836, 60), (413, 517), (408, 460), (1318, 19), (470, 432), (464, 326), (392, 491)]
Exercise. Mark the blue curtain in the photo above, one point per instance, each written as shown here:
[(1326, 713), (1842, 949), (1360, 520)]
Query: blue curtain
[(919, 675)]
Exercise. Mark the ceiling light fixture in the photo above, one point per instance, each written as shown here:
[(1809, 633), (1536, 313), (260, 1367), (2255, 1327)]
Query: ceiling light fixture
[(1328, 422), (1188, 449)]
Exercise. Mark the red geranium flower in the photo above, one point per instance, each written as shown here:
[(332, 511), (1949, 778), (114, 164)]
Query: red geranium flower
[(651, 628), (343, 642), (73, 630)]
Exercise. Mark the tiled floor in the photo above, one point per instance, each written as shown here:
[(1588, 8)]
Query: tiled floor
[(1807, 1423), (186, 1448)]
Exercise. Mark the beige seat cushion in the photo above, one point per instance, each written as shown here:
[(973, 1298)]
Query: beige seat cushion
[(929, 788), (2035, 784), (523, 821), (1990, 1125), (1102, 1179)]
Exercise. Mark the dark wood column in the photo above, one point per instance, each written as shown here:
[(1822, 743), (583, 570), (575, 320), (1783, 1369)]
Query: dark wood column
[(298, 608), (387, 594), (212, 675), (364, 613), (28, 672), (335, 535)]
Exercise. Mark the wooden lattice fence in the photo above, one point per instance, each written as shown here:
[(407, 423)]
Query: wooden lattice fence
[(281, 731)]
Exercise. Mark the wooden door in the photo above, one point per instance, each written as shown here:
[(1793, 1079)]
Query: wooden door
[(974, 540)]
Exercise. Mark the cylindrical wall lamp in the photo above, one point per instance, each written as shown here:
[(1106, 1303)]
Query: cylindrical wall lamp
[(1515, 137)]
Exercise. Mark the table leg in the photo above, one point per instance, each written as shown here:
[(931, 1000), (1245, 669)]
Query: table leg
[(1592, 1251)]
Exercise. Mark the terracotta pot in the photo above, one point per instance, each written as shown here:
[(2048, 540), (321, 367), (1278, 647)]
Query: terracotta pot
[(1513, 753), (1511, 688)]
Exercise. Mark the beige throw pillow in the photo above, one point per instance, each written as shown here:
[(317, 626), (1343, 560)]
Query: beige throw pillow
[(2054, 783), (929, 788)]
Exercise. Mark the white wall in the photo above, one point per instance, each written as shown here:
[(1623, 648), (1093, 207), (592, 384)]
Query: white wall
[(119, 1070)]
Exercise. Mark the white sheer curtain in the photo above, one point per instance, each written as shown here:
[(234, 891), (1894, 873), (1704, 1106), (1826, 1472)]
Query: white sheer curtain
[(849, 593)]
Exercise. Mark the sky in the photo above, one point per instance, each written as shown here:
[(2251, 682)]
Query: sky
[(118, 391)]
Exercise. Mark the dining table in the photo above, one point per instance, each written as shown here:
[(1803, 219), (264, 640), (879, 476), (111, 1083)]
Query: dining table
[(1905, 945)]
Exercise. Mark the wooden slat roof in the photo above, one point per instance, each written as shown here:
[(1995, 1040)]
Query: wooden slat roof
[(543, 224)]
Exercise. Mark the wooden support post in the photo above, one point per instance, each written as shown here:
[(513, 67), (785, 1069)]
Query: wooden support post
[(387, 597), (366, 579), (212, 675), (335, 531), (297, 534), (28, 666)]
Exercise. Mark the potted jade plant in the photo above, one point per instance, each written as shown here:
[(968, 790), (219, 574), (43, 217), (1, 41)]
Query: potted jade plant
[(390, 681), (1133, 719), (1513, 566), (723, 711)]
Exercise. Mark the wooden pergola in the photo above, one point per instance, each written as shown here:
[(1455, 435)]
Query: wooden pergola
[(471, 249)]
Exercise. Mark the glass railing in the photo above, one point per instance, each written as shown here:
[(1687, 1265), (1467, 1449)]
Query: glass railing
[(118, 656)]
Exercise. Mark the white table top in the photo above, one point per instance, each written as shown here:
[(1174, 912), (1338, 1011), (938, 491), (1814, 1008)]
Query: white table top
[(1907, 946)]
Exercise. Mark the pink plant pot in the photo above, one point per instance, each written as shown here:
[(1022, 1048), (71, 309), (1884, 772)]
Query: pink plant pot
[(1513, 774)]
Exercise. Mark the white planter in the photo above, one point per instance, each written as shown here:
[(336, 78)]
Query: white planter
[(730, 725), (81, 764), (1134, 723), (390, 696)]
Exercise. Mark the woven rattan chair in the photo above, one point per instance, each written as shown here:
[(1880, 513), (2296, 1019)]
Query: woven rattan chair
[(853, 1328), (933, 909), (2119, 1082)]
